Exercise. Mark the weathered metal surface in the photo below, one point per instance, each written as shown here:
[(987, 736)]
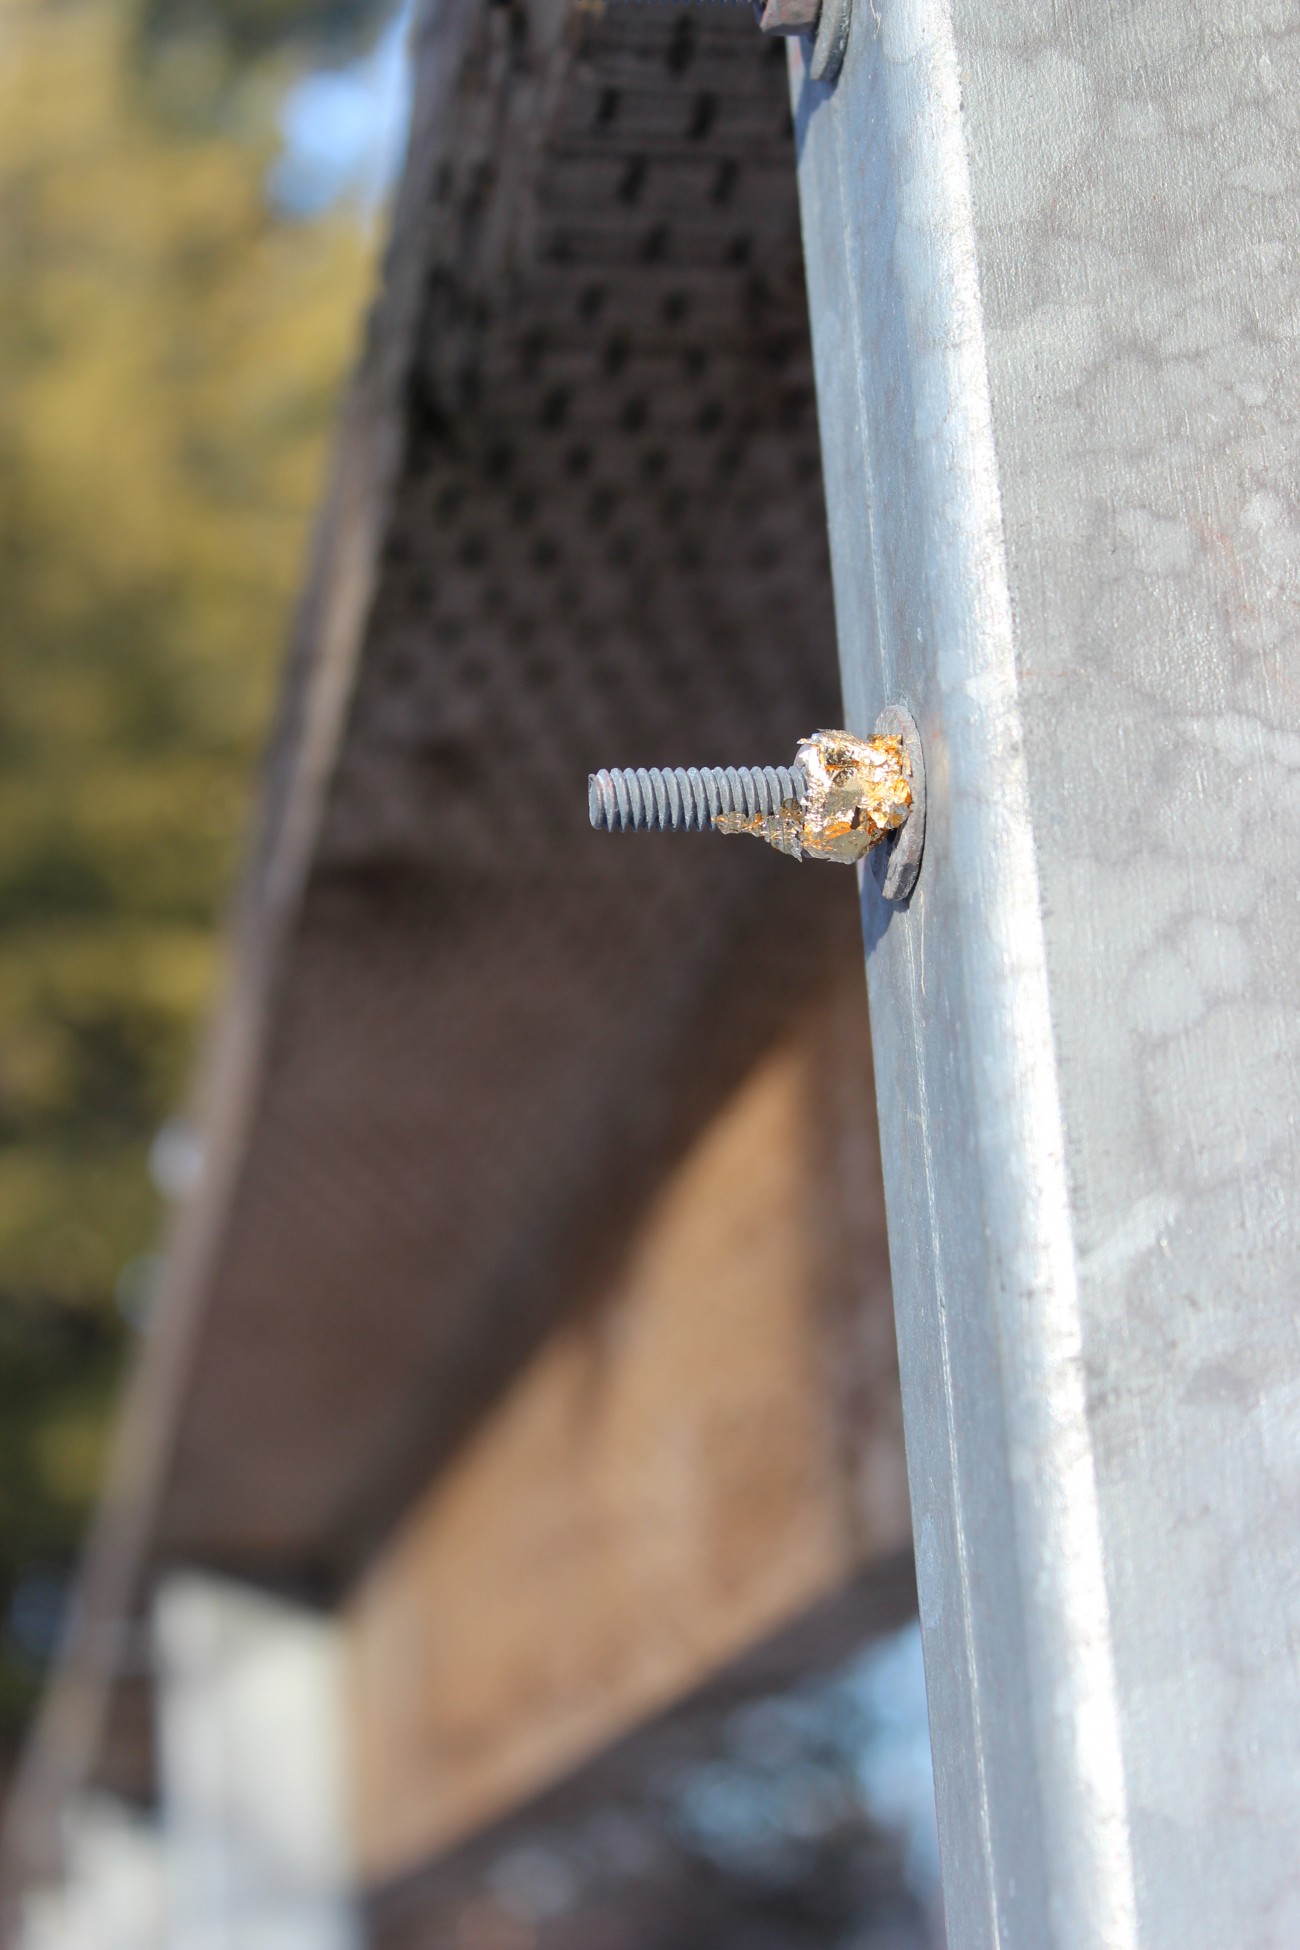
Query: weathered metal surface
[(1052, 269)]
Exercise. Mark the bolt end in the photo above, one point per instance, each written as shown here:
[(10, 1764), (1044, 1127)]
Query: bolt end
[(596, 801)]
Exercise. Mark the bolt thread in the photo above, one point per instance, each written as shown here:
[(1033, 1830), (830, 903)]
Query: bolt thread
[(683, 799)]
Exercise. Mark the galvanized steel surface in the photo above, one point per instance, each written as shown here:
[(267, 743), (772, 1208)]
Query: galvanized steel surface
[(1053, 277)]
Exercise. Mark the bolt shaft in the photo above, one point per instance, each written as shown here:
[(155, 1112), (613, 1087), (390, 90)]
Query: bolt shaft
[(684, 799)]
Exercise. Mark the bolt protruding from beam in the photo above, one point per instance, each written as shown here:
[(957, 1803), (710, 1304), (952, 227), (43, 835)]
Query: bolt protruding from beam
[(842, 797)]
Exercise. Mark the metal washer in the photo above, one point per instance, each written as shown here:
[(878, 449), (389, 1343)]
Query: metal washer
[(832, 38), (896, 864)]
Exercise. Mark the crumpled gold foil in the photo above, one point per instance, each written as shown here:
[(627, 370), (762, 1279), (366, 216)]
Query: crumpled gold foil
[(859, 791)]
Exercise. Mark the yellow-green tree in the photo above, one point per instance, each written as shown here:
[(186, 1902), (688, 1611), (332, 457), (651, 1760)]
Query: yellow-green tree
[(170, 354)]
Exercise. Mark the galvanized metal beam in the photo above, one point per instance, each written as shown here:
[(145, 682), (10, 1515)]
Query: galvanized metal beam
[(1054, 291)]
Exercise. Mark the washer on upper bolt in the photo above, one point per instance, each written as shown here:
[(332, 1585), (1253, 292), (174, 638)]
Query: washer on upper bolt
[(895, 864), (826, 24), (832, 39)]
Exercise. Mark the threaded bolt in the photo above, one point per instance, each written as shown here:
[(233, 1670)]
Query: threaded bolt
[(843, 797), (684, 799)]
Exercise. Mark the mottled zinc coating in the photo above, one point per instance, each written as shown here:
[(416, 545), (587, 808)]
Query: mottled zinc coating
[(856, 792), (1056, 300)]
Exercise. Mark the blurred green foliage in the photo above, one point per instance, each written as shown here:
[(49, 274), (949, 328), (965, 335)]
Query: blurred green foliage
[(246, 29), (170, 357)]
